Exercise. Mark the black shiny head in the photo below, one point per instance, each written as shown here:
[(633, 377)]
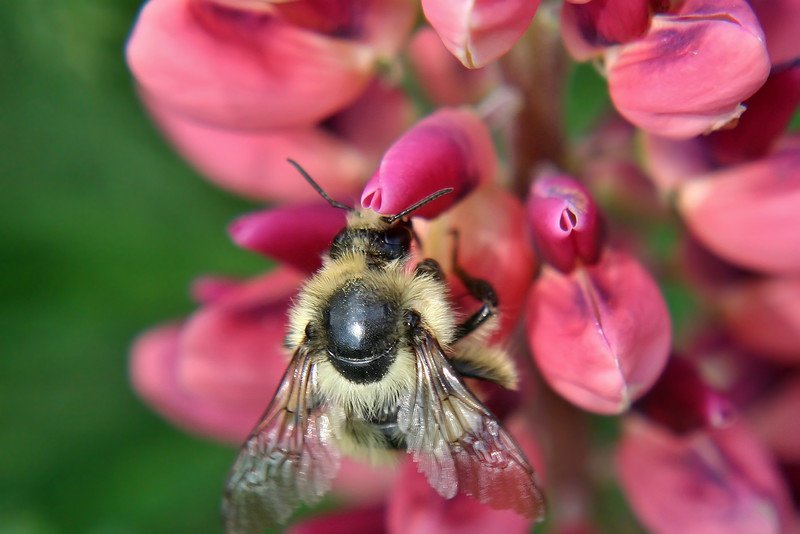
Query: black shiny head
[(379, 246), (363, 329)]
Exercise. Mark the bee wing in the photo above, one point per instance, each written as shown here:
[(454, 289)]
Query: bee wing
[(290, 457), (458, 444)]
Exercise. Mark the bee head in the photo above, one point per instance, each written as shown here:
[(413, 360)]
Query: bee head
[(381, 238)]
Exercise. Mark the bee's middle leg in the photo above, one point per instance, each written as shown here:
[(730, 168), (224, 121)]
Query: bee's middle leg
[(479, 289)]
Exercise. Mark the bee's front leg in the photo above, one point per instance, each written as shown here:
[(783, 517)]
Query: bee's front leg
[(478, 288)]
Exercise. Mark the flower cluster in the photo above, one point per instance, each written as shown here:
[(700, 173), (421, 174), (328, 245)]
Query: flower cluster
[(692, 186)]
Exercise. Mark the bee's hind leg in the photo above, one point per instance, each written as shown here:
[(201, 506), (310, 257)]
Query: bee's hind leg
[(478, 288)]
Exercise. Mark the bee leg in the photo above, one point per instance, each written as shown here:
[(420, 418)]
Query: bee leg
[(478, 288), (430, 267)]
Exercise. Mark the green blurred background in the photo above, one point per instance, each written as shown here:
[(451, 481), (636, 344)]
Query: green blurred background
[(102, 228)]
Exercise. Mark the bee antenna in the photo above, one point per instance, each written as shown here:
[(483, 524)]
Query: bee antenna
[(317, 188), (417, 205)]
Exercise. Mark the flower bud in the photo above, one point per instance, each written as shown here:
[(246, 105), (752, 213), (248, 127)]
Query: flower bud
[(479, 31), (240, 64), (451, 148), (747, 214), (691, 71), (683, 401), (718, 480), (296, 235), (565, 222), (599, 334)]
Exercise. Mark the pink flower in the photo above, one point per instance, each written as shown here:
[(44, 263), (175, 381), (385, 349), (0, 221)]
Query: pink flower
[(450, 148), (780, 20), (566, 223), (415, 507), (747, 214), (683, 400), (712, 481), (600, 334), (478, 32), (763, 315), (768, 114), (774, 419), (589, 27), (241, 64), (363, 520), (444, 79), (214, 373), (252, 163), (275, 233), (691, 71)]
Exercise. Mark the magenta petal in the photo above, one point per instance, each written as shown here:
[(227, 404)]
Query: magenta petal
[(296, 235), (479, 31), (369, 519), (719, 481), (768, 113), (153, 370), (253, 163), (780, 20), (682, 399), (565, 221), (775, 418), (748, 214), (764, 316), (670, 162), (601, 334), (231, 355), (587, 27), (248, 67), (451, 148), (443, 78), (690, 73)]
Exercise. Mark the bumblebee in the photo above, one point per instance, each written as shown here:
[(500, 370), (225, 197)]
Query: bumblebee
[(377, 365)]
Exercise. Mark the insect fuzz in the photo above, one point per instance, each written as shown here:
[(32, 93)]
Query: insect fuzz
[(360, 313)]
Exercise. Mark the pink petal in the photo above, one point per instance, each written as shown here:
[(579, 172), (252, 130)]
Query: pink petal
[(232, 352), (373, 122), (444, 79), (565, 221), (362, 483), (670, 162), (683, 400), (691, 71), (775, 420), (780, 20), (153, 370), (450, 148), (764, 316), (588, 27), (768, 114), (479, 31), (415, 507), (719, 481), (212, 289), (248, 66), (296, 235), (748, 214), (369, 519), (254, 165), (493, 245), (601, 334)]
